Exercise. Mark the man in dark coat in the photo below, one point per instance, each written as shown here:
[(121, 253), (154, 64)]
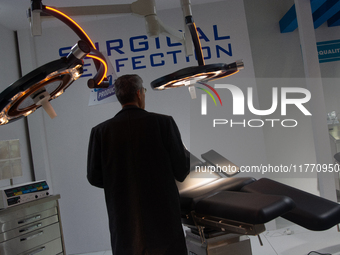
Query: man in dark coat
[(136, 157)]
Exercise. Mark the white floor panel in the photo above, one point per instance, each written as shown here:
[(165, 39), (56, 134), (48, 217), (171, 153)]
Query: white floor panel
[(298, 241), (295, 241), (97, 253)]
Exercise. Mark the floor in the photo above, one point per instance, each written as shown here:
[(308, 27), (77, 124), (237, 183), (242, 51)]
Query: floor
[(295, 240), (289, 240)]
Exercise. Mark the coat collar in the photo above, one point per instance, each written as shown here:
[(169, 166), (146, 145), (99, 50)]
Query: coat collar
[(129, 107)]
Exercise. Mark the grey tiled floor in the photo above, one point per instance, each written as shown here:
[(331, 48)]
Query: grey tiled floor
[(295, 241)]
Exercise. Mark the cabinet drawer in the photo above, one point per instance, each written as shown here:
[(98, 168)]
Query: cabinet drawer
[(51, 248), (28, 228), (25, 219), (21, 211), (29, 241)]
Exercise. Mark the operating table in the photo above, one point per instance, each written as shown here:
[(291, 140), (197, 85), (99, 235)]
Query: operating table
[(221, 212)]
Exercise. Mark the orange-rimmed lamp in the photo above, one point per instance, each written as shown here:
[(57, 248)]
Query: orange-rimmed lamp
[(37, 88)]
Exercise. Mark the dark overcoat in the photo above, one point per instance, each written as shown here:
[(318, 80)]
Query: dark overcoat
[(136, 157)]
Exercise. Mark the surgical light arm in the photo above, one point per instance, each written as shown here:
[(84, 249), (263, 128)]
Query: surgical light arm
[(141, 8)]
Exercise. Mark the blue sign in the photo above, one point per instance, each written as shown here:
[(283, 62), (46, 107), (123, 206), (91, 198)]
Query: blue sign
[(328, 51)]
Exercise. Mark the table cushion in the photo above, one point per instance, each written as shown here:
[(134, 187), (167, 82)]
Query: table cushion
[(244, 207), (311, 211)]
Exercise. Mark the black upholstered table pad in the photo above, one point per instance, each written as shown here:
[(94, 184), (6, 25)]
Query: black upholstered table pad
[(311, 211), (189, 198), (244, 207)]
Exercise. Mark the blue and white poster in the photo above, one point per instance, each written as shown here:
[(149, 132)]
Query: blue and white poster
[(107, 95)]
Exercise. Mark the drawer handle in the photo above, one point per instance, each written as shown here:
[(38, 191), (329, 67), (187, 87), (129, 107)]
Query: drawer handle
[(32, 236), (37, 251), (30, 228), (29, 219)]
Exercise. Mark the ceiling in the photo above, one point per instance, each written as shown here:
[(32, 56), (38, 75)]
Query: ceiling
[(13, 12)]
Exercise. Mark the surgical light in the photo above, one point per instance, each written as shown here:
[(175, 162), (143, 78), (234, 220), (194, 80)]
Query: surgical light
[(196, 74), (37, 88)]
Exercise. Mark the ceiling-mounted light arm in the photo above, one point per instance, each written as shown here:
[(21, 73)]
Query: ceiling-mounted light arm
[(38, 7), (190, 25), (186, 9), (175, 34), (70, 23), (34, 17), (195, 39), (81, 50), (99, 80), (154, 26), (142, 8), (191, 30), (97, 10)]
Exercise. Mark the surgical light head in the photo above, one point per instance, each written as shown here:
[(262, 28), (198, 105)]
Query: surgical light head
[(40, 86), (196, 74), (49, 81)]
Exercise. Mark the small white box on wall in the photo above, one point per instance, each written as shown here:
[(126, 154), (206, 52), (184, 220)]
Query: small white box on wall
[(10, 159)]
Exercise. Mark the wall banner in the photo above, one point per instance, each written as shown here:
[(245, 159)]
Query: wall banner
[(328, 51), (108, 95)]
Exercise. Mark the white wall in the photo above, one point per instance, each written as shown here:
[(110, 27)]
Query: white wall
[(9, 73), (278, 61)]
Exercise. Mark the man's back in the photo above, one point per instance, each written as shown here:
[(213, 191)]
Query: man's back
[(135, 157)]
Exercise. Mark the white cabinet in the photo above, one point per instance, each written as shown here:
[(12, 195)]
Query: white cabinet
[(33, 228)]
